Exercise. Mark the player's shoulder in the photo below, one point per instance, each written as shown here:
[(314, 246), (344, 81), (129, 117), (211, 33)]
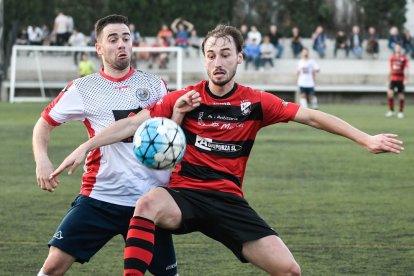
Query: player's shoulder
[(143, 74)]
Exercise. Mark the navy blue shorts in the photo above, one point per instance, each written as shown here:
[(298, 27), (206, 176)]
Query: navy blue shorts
[(307, 90), (89, 224)]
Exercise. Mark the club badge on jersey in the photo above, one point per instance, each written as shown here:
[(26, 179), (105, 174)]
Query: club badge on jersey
[(142, 94)]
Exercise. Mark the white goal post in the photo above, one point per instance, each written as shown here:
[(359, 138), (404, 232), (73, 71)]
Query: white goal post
[(52, 67)]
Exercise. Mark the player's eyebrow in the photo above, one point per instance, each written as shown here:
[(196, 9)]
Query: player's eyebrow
[(116, 34), (221, 50)]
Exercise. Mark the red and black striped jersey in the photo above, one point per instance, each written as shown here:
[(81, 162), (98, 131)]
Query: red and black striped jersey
[(398, 64), (220, 134)]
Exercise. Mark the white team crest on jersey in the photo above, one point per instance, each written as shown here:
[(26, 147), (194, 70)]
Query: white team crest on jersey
[(142, 94), (245, 107), (58, 235)]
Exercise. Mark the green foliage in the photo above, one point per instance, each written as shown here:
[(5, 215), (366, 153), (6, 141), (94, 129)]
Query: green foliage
[(340, 210), (390, 13), (149, 15)]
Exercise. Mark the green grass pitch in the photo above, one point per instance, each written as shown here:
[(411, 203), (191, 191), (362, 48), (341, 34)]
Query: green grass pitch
[(340, 210)]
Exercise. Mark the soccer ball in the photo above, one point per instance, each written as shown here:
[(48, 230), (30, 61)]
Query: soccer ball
[(159, 143)]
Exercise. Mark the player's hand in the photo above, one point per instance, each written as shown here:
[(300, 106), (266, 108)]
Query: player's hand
[(187, 102), (382, 143), (73, 160), (43, 170)]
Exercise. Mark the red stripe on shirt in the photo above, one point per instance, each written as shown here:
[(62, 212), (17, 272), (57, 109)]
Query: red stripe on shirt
[(92, 165)]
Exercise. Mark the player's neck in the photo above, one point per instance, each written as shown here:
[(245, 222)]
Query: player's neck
[(219, 90), (114, 73)]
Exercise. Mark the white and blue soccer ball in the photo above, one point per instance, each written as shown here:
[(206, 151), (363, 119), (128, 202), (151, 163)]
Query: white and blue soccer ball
[(159, 143)]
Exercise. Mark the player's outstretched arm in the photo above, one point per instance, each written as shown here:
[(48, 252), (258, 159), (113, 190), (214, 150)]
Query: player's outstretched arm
[(114, 133), (380, 143), (186, 103), (40, 142)]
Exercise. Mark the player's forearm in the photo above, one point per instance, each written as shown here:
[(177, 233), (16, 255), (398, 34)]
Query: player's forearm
[(117, 131), (40, 140), (177, 117), (335, 125)]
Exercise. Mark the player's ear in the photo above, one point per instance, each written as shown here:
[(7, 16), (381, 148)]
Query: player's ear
[(98, 48), (239, 58)]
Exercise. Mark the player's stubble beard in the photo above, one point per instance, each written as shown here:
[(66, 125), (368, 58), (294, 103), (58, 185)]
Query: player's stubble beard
[(122, 64), (231, 74)]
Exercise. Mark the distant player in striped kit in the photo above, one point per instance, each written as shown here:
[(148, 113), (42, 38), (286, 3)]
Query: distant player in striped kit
[(205, 194), (397, 80), (113, 179)]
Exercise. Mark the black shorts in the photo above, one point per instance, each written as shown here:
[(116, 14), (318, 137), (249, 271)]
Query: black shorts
[(397, 86), (224, 217), (90, 224)]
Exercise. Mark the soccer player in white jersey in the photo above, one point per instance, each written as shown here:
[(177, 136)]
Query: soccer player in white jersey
[(113, 179), (307, 69)]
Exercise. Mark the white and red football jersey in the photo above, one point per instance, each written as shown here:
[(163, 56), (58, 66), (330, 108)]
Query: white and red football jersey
[(112, 173)]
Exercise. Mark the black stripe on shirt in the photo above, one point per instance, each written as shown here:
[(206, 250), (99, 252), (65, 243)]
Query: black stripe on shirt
[(206, 173), (227, 113), (227, 149)]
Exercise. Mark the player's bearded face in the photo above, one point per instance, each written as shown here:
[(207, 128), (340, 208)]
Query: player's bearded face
[(116, 46), (221, 60)]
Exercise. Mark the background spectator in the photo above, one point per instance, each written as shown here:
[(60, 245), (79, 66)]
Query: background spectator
[(244, 30), (341, 43), (254, 34), (267, 52), (135, 36), (407, 43), (182, 29), (35, 35), (394, 38), (319, 41), (252, 54), (372, 42), (22, 37), (166, 33), (195, 42), (77, 39), (296, 42), (161, 58), (70, 26), (275, 38), (356, 42), (60, 28), (86, 66)]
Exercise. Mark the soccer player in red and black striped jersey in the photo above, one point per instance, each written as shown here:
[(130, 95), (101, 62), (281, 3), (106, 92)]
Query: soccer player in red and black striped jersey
[(397, 81), (221, 119)]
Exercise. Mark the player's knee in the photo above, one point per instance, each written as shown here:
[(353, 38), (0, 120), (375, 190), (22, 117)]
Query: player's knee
[(51, 269), (147, 206), (288, 269), (294, 269), (57, 262)]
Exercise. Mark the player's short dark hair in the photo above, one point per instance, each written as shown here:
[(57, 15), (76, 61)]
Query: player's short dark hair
[(110, 19), (222, 31)]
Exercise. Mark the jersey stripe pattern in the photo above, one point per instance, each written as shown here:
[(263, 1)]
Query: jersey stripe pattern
[(112, 173), (398, 64), (220, 134)]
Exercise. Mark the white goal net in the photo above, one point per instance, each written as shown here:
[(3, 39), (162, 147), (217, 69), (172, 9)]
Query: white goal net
[(38, 73)]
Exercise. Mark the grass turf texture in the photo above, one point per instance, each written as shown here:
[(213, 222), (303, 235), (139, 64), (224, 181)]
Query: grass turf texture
[(340, 210)]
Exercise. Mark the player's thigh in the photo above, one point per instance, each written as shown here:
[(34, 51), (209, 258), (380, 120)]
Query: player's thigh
[(57, 262), (270, 254), (159, 206)]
